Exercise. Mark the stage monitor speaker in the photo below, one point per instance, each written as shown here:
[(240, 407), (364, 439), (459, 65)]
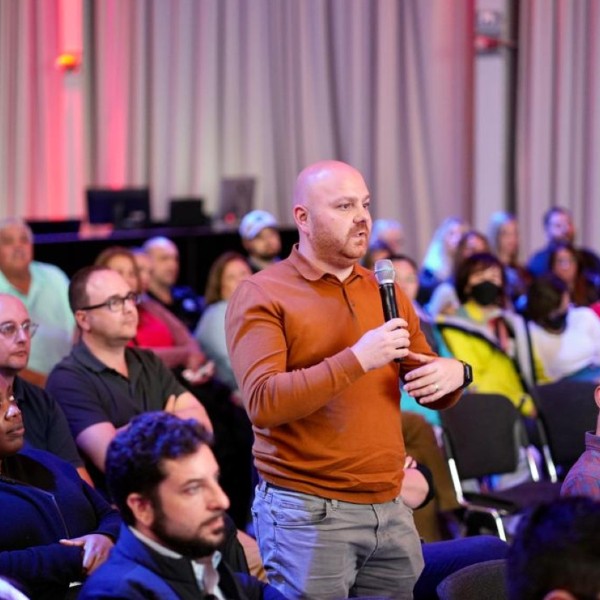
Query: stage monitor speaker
[(187, 212), (126, 208)]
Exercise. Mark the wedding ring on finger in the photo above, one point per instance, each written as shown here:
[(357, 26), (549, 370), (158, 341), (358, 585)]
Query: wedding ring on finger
[(436, 387)]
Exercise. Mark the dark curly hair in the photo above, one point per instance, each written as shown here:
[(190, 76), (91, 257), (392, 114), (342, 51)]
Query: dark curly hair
[(135, 457), (557, 547)]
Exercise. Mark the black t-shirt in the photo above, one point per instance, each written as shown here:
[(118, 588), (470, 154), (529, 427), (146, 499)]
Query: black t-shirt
[(46, 426), (90, 392)]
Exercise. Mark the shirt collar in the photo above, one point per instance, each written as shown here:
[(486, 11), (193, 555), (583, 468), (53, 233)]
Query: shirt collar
[(84, 355), (313, 273), (592, 441)]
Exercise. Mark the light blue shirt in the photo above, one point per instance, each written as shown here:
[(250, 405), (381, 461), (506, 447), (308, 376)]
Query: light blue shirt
[(48, 305), (210, 334)]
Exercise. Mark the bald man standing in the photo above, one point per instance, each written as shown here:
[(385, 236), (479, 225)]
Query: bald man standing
[(315, 363)]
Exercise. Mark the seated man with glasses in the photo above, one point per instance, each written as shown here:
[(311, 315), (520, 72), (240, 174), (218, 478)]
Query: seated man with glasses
[(46, 425), (103, 383)]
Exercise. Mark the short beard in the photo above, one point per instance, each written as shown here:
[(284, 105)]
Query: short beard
[(191, 548), (267, 256)]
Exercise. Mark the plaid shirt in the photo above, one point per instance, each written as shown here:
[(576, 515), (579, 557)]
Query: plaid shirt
[(584, 477)]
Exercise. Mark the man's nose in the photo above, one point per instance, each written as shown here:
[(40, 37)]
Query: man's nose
[(22, 335), (362, 214), (219, 499)]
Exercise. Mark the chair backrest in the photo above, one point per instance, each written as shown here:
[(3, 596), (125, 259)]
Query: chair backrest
[(483, 434), (567, 410), (481, 580)]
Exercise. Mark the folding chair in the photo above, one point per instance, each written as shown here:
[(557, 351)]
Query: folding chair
[(483, 435), (481, 580), (566, 410)]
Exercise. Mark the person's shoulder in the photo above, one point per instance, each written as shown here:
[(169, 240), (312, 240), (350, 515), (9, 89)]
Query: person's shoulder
[(149, 362), (539, 261), (183, 292), (27, 391), (269, 280), (33, 459), (76, 364), (123, 578), (276, 269), (48, 271), (143, 355), (70, 362), (584, 315), (213, 310)]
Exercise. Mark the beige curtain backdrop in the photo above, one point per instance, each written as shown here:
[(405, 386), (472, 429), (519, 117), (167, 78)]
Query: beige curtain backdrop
[(186, 92), (179, 94), (558, 132)]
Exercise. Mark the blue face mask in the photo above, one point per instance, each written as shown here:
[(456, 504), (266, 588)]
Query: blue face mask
[(486, 293)]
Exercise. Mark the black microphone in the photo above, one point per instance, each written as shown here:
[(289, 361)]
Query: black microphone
[(385, 275)]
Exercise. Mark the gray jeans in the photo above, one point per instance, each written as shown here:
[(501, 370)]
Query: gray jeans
[(320, 549)]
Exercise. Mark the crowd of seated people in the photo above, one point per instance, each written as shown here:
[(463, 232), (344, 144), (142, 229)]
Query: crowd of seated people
[(496, 315), (555, 338)]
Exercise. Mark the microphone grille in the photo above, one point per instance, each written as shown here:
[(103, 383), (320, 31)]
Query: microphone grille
[(384, 271)]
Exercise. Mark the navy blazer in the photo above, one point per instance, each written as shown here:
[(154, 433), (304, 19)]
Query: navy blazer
[(135, 571), (43, 500)]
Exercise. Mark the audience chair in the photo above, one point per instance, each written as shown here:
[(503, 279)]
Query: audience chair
[(566, 410), (481, 580), (483, 435)]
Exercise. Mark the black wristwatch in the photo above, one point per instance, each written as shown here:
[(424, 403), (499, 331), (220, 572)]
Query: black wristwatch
[(468, 375)]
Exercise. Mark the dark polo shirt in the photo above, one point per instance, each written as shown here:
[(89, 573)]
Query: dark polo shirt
[(46, 427), (90, 392)]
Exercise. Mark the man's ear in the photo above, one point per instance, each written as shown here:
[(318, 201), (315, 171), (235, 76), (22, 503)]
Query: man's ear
[(300, 216), (142, 510), (81, 318), (597, 396)]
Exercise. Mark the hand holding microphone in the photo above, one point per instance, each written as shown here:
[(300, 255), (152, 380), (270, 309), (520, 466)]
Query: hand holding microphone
[(380, 346), (386, 275)]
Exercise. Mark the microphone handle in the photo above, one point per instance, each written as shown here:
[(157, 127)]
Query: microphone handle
[(388, 301)]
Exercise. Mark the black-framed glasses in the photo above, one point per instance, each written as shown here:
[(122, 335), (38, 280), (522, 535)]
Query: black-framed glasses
[(115, 303), (9, 329)]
